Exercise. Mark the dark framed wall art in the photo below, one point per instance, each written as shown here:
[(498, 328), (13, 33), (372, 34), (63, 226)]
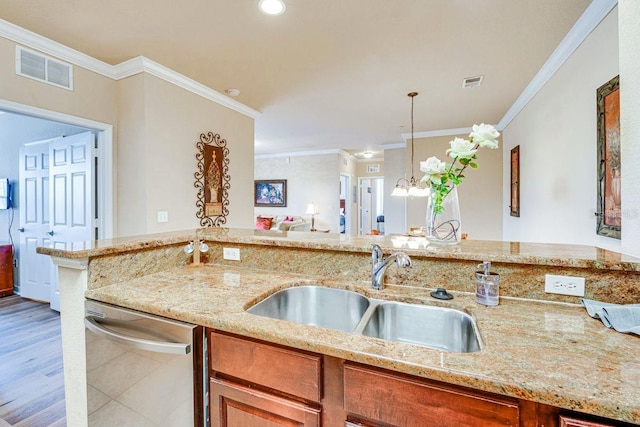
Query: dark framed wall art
[(515, 181), (270, 192), (609, 209), (212, 180)]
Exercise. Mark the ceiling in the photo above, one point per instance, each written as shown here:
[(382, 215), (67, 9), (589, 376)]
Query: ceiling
[(327, 74)]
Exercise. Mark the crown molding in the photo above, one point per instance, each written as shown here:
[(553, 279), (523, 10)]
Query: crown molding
[(35, 41), (435, 133), (123, 70), (140, 64), (302, 153), (590, 19), (394, 146)]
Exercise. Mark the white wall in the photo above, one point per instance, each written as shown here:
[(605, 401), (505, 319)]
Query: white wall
[(629, 33), (556, 132), (314, 178), (395, 218), (159, 125)]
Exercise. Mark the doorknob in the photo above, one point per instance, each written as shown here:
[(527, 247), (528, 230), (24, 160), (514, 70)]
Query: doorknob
[(50, 233), (21, 229)]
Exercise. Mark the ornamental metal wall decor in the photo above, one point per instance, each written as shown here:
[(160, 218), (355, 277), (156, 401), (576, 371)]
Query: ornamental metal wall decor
[(212, 180), (609, 209), (515, 182)]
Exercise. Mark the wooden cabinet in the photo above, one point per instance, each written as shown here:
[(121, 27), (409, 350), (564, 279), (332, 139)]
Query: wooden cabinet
[(254, 384), (566, 421), (258, 384), (6, 270), (376, 397), (236, 405)]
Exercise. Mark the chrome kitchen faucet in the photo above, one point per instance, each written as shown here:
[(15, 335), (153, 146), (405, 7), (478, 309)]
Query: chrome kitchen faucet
[(380, 265)]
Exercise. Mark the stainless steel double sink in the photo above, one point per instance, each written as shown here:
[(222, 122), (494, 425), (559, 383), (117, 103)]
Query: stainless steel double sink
[(440, 328)]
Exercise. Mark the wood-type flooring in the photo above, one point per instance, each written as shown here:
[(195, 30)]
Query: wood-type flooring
[(31, 379)]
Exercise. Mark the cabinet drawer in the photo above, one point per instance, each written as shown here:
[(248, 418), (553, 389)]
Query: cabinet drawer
[(289, 371), (395, 400), (237, 405)]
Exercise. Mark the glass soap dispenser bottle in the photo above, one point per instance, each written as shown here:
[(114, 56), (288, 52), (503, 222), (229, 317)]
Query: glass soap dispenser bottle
[(487, 285)]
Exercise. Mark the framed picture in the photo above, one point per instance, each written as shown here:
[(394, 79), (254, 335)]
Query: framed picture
[(212, 180), (609, 215), (515, 181), (373, 168), (270, 192)]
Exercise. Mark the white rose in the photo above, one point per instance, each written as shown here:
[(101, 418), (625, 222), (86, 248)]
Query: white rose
[(433, 168), (485, 135), (461, 148)]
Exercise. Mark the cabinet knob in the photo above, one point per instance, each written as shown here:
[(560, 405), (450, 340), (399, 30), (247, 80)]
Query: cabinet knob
[(21, 229), (50, 233)]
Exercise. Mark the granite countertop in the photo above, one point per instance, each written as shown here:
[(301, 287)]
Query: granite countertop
[(551, 353), (561, 255)]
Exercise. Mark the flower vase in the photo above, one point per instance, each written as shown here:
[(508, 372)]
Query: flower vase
[(444, 228)]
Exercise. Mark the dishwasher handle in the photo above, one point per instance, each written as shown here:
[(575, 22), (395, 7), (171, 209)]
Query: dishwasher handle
[(137, 343)]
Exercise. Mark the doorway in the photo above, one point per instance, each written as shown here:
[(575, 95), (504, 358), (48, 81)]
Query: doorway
[(345, 205), (371, 205), (100, 207)]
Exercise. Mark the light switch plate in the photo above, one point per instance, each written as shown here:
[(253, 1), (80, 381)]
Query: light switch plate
[(564, 285), (163, 216)]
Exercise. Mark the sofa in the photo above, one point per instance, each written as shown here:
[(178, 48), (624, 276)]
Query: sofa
[(281, 223)]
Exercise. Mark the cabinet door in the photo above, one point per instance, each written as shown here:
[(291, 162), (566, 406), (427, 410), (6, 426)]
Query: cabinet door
[(574, 422), (234, 405), (376, 396)]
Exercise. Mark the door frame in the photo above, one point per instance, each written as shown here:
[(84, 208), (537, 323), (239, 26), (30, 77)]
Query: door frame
[(360, 180), (104, 151)]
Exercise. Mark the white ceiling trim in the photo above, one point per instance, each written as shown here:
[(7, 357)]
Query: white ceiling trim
[(435, 133), (128, 68), (303, 153), (36, 41), (590, 19), (141, 64), (394, 146)]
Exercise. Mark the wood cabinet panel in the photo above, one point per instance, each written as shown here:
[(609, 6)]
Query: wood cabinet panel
[(575, 422), (290, 371), (6, 270), (378, 396), (234, 405)]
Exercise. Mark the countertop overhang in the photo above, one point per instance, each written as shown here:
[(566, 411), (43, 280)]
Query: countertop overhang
[(558, 255)]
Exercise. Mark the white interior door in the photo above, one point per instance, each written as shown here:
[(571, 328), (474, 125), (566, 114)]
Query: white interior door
[(35, 270), (64, 214), (365, 206)]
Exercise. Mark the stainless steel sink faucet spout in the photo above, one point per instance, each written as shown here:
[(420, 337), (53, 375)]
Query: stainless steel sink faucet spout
[(380, 265)]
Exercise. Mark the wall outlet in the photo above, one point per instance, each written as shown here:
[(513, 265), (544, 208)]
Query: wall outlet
[(564, 285), (232, 254), (163, 216)]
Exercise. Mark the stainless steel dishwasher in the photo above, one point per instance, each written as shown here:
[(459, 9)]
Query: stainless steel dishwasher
[(143, 370)]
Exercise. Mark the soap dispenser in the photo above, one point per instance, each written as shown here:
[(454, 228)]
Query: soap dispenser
[(487, 285)]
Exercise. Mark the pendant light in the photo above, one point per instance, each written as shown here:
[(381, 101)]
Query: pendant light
[(409, 187)]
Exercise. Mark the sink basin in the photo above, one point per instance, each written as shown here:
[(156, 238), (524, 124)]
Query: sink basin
[(441, 328), (329, 308), (436, 327)]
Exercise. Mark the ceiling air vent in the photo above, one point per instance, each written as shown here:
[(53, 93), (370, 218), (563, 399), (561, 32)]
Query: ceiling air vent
[(472, 82), (40, 67)]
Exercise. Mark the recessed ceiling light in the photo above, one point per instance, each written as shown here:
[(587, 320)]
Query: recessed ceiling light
[(233, 92), (272, 7)]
